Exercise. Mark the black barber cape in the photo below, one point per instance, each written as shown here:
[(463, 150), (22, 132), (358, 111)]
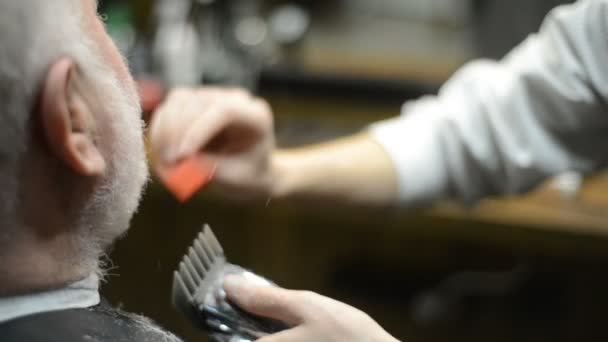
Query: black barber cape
[(97, 324)]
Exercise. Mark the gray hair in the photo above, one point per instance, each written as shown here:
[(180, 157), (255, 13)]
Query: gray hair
[(34, 34)]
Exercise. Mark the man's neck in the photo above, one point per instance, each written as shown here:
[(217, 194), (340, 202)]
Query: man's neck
[(39, 268)]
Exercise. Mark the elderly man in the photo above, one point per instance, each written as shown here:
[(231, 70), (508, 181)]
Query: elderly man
[(72, 168)]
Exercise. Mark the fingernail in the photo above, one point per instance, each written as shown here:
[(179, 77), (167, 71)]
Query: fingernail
[(256, 279), (234, 283)]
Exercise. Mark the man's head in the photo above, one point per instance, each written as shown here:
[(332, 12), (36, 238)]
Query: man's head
[(72, 161)]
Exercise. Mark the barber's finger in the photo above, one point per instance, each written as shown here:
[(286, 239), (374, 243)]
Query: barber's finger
[(297, 334), (169, 122), (209, 124), (160, 125), (199, 109), (174, 119), (220, 116), (267, 301)]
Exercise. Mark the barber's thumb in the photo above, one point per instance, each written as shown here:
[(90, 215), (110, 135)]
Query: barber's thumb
[(259, 297)]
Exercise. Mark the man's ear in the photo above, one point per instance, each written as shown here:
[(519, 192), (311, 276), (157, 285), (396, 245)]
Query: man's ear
[(68, 122)]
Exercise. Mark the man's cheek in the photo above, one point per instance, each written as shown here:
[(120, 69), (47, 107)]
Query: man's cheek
[(110, 52), (118, 64)]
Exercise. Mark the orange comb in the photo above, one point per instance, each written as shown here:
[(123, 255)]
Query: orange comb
[(187, 177)]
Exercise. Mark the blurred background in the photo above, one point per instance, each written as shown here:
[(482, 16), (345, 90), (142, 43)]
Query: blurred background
[(530, 268)]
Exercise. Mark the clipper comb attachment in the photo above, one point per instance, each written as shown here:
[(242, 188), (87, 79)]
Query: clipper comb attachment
[(198, 293)]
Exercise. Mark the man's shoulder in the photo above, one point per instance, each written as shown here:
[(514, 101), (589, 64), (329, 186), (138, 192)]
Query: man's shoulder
[(98, 324)]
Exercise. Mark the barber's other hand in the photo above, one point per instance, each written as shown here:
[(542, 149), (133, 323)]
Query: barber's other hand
[(312, 316), (229, 127)]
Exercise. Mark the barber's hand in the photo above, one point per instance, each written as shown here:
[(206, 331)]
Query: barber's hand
[(312, 316), (230, 128)]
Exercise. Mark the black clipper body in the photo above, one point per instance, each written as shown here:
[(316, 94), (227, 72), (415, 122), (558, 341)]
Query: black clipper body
[(198, 293)]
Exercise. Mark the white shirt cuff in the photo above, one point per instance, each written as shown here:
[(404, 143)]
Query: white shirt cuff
[(415, 150)]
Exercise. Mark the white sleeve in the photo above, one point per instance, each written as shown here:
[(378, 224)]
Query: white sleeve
[(501, 127)]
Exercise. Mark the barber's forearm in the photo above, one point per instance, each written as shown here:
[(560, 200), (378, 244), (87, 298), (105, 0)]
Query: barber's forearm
[(354, 169)]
